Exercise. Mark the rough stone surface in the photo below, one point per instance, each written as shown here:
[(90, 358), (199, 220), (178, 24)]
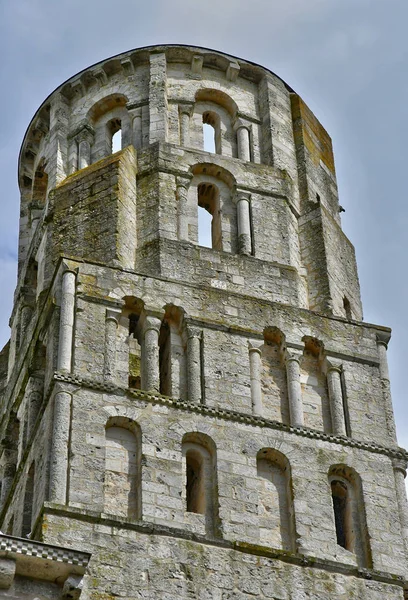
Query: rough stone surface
[(190, 439)]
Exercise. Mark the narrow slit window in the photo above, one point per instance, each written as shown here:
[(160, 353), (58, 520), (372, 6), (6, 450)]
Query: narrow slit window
[(347, 308), (340, 508), (195, 490)]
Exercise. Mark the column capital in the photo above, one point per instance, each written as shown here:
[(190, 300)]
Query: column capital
[(255, 346), (332, 365), (400, 464), (239, 123), (184, 181), (112, 315), (382, 338), (240, 195), (193, 331), (151, 319), (293, 354), (84, 132), (186, 108)]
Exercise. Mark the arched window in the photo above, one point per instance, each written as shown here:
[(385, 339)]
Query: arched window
[(211, 132), (111, 126), (313, 380), (349, 512), (209, 201), (26, 530), (273, 377), (172, 355), (122, 489), (275, 506), (201, 496), (214, 113)]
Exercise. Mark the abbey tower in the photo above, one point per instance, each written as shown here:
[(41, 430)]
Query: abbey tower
[(181, 421)]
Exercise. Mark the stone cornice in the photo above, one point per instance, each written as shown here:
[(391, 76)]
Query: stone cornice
[(229, 415), (14, 545), (239, 546)]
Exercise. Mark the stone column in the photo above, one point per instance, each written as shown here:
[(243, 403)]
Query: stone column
[(243, 143), (25, 318), (59, 448), (242, 200), (84, 154), (383, 338), (158, 105), (33, 407), (255, 369), (400, 472), (333, 375), (137, 128), (194, 364), (111, 324), (182, 216), (151, 324), (66, 329), (292, 361), (185, 111)]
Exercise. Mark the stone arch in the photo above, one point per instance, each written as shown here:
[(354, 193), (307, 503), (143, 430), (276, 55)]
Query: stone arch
[(201, 482), (211, 189), (122, 483), (108, 116), (349, 512), (275, 505), (215, 108)]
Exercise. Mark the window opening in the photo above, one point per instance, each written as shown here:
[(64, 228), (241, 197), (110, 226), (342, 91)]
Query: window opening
[(211, 133), (347, 308), (164, 359), (209, 138), (340, 497), (195, 491), (115, 130), (209, 225)]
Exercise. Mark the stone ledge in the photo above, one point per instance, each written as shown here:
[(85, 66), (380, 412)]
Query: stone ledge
[(15, 545), (42, 562), (254, 549), (229, 415)]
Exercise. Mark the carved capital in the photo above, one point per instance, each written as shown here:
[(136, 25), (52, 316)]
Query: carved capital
[(241, 195), (400, 464), (255, 346), (186, 108), (112, 315), (293, 354), (383, 338)]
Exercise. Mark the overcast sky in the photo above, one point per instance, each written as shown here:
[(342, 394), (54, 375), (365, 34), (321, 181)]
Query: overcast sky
[(346, 58)]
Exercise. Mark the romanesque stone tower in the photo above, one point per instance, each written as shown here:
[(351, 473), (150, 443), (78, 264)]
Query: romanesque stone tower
[(193, 420)]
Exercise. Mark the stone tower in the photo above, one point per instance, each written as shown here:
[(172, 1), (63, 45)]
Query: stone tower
[(192, 422)]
